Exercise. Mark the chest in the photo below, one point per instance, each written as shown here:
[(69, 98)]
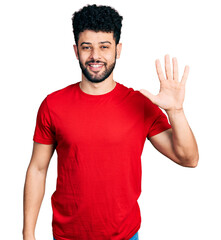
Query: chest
[(104, 124)]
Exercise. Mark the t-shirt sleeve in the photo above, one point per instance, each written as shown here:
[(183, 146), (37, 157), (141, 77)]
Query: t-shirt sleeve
[(44, 130), (155, 120)]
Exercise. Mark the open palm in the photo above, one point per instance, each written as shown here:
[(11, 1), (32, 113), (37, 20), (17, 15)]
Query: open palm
[(172, 92)]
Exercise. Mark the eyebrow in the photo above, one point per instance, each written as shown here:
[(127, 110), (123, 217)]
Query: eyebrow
[(99, 43)]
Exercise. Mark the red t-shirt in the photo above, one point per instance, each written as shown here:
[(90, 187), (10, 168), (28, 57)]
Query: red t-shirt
[(99, 141)]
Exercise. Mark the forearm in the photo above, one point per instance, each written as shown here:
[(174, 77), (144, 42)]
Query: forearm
[(184, 143), (33, 195)]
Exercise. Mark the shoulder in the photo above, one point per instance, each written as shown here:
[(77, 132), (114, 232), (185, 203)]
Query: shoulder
[(60, 96), (61, 93), (133, 93), (57, 99), (150, 109)]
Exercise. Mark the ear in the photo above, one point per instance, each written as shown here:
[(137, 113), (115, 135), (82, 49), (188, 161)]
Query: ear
[(76, 51), (119, 47)]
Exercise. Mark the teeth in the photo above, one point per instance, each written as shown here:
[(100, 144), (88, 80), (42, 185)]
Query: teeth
[(96, 66)]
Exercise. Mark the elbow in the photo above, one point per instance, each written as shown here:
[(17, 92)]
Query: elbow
[(191, 162), (191, 165)]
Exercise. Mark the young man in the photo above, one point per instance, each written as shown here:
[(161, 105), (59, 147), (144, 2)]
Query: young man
[(98, 128)]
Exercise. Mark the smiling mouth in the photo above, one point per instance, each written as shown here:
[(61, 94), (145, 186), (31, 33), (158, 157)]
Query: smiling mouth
[(95, 67)]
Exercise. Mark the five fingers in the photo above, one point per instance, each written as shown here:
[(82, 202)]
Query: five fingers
[(169, 76)]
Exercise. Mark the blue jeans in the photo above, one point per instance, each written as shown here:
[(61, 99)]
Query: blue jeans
[(135, 237)]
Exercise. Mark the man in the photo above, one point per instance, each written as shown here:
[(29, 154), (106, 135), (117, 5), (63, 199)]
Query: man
[(98, 128)]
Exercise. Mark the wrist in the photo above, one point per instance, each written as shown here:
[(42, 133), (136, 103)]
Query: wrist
[(32, 237), (175, 115), (173, 111), (28, 235)]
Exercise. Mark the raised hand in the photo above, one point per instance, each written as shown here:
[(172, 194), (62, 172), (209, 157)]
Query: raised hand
[(172, 92)]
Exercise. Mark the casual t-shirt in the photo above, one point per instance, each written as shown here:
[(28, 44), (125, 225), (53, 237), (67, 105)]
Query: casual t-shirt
[(99, 140)]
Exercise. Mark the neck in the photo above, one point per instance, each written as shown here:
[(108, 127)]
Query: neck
[(97, 88)]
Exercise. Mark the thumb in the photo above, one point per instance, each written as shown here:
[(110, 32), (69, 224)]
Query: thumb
[(147, 94)]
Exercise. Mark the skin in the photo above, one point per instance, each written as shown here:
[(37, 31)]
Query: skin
[(178, 143), (34, 188), (92, 47)]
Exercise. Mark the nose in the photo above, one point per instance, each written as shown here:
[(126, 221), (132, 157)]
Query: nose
[(95, 54)]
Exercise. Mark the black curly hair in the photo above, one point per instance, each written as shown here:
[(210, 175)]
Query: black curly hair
[(97, 18)]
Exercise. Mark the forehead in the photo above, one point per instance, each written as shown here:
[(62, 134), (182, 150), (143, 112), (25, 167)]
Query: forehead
[(95, 37)]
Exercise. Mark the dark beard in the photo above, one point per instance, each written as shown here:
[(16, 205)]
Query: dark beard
[(107, 72)]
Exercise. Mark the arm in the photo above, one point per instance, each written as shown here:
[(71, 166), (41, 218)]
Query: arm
[(35, 187), (178, 143)]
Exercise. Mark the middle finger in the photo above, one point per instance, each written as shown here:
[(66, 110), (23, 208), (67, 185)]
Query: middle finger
[(168, 67)]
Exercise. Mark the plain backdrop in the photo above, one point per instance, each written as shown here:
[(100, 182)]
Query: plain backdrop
[(37, 58)]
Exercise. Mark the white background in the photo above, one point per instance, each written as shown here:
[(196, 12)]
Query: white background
[(37, 58)]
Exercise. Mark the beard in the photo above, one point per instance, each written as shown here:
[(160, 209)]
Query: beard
[(97, 77)]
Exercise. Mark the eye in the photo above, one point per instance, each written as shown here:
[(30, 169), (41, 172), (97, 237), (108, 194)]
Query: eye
[(104, 47), (86, 47)]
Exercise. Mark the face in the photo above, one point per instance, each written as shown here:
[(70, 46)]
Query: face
[(97, 53)]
